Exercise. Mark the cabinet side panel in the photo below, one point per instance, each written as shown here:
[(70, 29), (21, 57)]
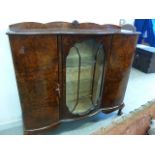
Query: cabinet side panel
[(118, 65), (36, 67)]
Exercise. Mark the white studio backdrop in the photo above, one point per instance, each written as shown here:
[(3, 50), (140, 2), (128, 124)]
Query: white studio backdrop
[(15, 11)]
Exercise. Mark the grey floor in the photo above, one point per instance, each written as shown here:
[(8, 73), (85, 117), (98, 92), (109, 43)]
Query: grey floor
[(140, 89)]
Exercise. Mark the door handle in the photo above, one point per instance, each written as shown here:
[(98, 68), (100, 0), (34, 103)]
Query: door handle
[(58, 89)]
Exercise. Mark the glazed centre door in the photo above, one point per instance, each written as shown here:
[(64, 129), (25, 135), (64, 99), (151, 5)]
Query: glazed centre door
[(84, 65)]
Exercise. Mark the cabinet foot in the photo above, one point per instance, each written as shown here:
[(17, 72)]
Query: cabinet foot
[(120, 112)]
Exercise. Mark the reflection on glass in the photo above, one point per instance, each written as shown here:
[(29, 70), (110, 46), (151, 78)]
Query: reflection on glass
[(84, 74)]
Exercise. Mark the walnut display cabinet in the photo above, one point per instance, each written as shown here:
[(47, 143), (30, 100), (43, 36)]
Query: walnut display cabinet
[(68, 71)]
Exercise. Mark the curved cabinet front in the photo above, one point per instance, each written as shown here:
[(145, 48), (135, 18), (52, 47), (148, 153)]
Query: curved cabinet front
[(36, 66), (118, 64)]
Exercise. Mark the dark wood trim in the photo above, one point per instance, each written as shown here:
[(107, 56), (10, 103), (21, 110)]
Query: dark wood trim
[(52, 126), (32, 28)]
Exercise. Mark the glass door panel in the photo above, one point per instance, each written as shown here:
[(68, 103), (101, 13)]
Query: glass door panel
[(84, 74)]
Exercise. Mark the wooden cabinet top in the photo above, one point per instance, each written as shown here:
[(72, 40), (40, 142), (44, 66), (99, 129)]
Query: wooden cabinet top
[(32, 28)]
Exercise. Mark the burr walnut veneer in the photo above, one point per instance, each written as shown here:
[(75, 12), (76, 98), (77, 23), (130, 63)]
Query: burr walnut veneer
[(67, 71)]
